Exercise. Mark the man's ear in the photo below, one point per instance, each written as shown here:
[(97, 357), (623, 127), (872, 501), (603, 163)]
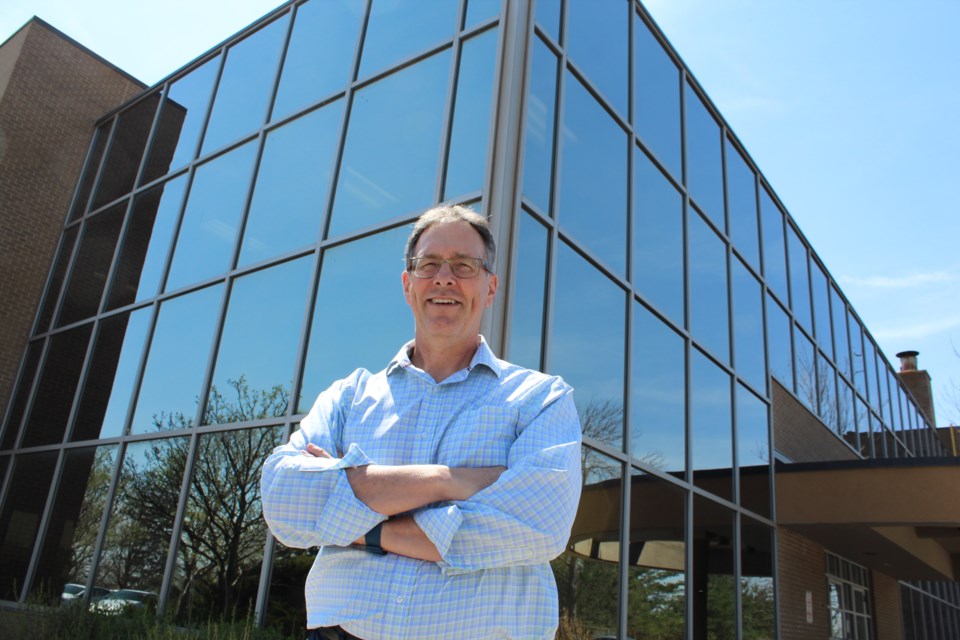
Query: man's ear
[(492, 289), (405, 280)]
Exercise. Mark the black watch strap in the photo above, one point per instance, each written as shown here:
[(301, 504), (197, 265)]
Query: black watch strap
[(371, 541)]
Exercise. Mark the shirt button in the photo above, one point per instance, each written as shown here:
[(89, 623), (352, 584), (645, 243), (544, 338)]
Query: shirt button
[(399, 599)]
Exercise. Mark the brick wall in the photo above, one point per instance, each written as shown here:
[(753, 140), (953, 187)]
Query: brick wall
[(802, 567), (886, 607), (55, 91)]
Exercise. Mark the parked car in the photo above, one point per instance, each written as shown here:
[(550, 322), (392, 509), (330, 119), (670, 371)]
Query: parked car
[(73, 592), (123, 599)]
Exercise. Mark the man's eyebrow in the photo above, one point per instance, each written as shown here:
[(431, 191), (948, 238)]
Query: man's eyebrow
[(437, 256)]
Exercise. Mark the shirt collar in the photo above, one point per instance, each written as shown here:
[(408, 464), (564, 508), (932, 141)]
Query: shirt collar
[(484, 356)]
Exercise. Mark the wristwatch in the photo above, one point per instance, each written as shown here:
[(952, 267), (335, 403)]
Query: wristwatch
[(371, 541)]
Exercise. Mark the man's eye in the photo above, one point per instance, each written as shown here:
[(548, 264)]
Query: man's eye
[(460, 264), (428, 264)]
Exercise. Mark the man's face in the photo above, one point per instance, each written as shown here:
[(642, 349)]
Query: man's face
[(446, 307)]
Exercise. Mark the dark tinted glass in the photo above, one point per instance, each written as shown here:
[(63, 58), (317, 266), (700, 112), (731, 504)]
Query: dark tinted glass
[(177, 361), (471, 117), (138, 532), (397, 30), (587, 574), (870, 366), (840, 340), (480, 10), (255, 360), (779, 341), (529, 286), (597, 42), (209, 228), (827, 392), (186, 110), (91, 169), (548, 17), (806, 367), (657, 394), (89, 274), (18, 401), (749, 353), (146, 243), (714, 587), (799, 279), (821, 307), (756, 580), (857, 354), (323, 30), (539, 126), (345, 337), (753, 452), (657, 239), (587, 344), (707, 274), (20, 518), (656, 579), (864, 442), (221, 543), (57, 272), (389, 163), (742, 202), (112, 375), (246, 82), (56, 387), (711, 426), (126, 150), (71, 536), (774, 254), (846, 427), (656, 82), (593, 177), (290, 194), (704, 158)]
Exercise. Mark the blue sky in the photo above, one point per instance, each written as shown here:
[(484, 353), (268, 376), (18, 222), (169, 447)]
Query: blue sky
[(849, 108)]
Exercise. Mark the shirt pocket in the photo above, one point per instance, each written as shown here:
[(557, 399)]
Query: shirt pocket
[(479, 438)]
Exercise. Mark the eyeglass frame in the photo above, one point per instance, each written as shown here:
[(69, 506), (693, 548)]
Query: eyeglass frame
[(411, 264)]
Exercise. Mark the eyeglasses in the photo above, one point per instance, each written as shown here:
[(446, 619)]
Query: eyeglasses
[(460, 267)]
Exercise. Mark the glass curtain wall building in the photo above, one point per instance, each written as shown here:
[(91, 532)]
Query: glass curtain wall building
[(235, 244)]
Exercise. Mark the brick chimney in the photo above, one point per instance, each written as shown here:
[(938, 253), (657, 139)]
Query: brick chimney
[(918, 383)]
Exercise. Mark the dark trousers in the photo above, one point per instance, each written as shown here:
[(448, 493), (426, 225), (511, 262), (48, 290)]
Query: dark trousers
[(330, 633)]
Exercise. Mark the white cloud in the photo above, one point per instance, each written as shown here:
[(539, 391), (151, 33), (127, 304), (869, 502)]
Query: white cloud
[(901, 282), (919, 330)]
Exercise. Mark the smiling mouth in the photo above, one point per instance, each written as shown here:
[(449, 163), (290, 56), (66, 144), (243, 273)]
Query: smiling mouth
[(443, 301)]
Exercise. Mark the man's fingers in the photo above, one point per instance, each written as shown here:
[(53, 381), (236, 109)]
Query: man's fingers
[(317, 452)]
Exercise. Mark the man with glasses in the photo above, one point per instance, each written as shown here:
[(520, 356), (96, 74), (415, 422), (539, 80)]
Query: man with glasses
[(440, 488)]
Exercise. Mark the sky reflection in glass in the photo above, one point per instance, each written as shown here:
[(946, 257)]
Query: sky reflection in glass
[(704, 158), (656, 81), (753, 450), (774, 254), (742, 200), (189, 98), (397, 30), (711, 427), (539, 127), (597, 42), (707, 274), (529, 290), (749, 355)]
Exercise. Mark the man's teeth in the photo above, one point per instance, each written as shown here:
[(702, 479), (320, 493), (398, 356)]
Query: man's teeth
[(443, 301)]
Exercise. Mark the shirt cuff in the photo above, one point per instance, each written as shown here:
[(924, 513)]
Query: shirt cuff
[(353, 518), (355, 457), (440, 524)]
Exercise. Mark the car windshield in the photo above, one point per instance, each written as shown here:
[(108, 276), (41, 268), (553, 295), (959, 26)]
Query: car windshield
[(72, 589)]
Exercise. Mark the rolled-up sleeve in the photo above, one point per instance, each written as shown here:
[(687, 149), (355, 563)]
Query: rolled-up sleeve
[(525, 517), (308, 501)]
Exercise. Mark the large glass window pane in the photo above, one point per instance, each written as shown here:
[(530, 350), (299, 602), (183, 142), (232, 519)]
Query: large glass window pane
[(183, 115), (821, 308), (68, 545), (714, 587), (779, 341), (758, 621), (548, 17), (656, 600), (846, 425), (146, 243), (255, 362), (529, 291), (111, 377), (480, 10), (57, 272), (56, 387), (656, 82), (707, 276), (749, 352), (704, 158), (467, 155), (864, 443), (293, 181), (20, 518), (857, 353), (840, 340), (711, 426), (742, 199), (389, 163), (593, 177), (597, 42), (209, 228), (342, 340), (397, 30), (18, 401), (657, 239), (91, 170), (539, 126), (774, 254), (806, 368), (799, 279), (242, 96), (126, 150), (753, 452), (657, 413), (89, 274), (588, 575), (587, 344), (320, 55), (177, 362), (137, 539), (221, 543), (870, 366)]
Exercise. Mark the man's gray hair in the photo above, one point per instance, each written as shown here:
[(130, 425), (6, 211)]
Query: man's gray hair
[(453, 213)]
